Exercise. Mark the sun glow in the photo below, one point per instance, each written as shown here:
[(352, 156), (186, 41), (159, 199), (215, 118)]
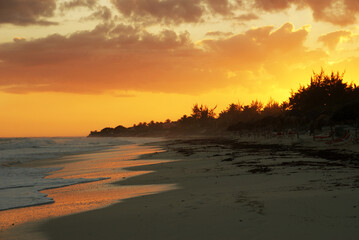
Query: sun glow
[(68, 67)]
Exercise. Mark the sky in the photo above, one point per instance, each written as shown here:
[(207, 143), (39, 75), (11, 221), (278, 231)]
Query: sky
[(71, 66)]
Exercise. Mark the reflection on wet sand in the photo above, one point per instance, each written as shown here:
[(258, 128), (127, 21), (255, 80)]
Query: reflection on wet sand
[(87, 196)]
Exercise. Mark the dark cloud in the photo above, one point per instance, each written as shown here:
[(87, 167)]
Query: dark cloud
[(165, 11), (247, 17), (78, 3), (338, 12), (274, 5), (222, 7), (20, 12), (174, 11), (101, 12)]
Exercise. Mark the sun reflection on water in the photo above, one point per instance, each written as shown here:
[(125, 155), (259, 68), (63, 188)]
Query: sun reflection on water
[(83, 197)]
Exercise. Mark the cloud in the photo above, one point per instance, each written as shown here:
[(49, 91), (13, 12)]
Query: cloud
[(78, 3), (247, 17), (19, 39), (222, 7), (125, 57), (331, 40), (166, 11), (274, 5), (27, 12), (264, 54), (338, 12), (102, 12), (174, 11), (106, 58), (259, 45), (218, 34)]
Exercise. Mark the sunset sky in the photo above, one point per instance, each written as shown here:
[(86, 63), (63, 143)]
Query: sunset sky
[(68, 67)]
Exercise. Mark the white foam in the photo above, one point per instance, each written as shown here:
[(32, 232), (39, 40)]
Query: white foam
[(19, 187), (26, 149)]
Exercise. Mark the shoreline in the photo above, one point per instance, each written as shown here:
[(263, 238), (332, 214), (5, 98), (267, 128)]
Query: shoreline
[(228, 189), (109, 163), (23, 178)]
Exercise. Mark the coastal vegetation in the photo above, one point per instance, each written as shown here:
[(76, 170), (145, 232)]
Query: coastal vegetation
[(324, 102)]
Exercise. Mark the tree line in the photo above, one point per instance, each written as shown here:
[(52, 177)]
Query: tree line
[(326, 100)]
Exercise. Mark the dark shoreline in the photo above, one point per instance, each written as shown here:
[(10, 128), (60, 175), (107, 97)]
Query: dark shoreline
[(329, 153)]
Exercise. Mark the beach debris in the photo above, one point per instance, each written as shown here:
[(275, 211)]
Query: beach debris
[(227, 160), (260, 169)]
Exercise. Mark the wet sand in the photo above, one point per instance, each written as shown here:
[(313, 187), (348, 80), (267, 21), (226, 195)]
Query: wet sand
[(228, 190), (108, 164)]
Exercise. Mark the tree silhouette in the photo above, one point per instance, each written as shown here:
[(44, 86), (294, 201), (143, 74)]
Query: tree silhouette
[(272, 108), (324, 101), (203, 112), (323, 95)]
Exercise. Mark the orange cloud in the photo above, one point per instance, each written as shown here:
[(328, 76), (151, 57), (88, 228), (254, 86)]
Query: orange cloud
[(218, 34), (260, 45), (106, 58), (331, 40), (124, 57), (265, 56), (27, 12)]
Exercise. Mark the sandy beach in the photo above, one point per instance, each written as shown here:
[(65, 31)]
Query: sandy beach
[(227, 189), (179, 119)]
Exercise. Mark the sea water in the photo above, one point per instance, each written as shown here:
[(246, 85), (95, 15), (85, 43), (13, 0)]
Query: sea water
[(21, 186)]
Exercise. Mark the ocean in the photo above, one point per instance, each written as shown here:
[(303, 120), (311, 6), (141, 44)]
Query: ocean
[(21, 186)]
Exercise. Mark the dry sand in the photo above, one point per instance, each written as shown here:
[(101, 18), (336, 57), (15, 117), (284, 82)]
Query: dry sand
[(229, 190)]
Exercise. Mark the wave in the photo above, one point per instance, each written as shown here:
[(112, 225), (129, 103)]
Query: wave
[(15, 150), (20, 186)]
